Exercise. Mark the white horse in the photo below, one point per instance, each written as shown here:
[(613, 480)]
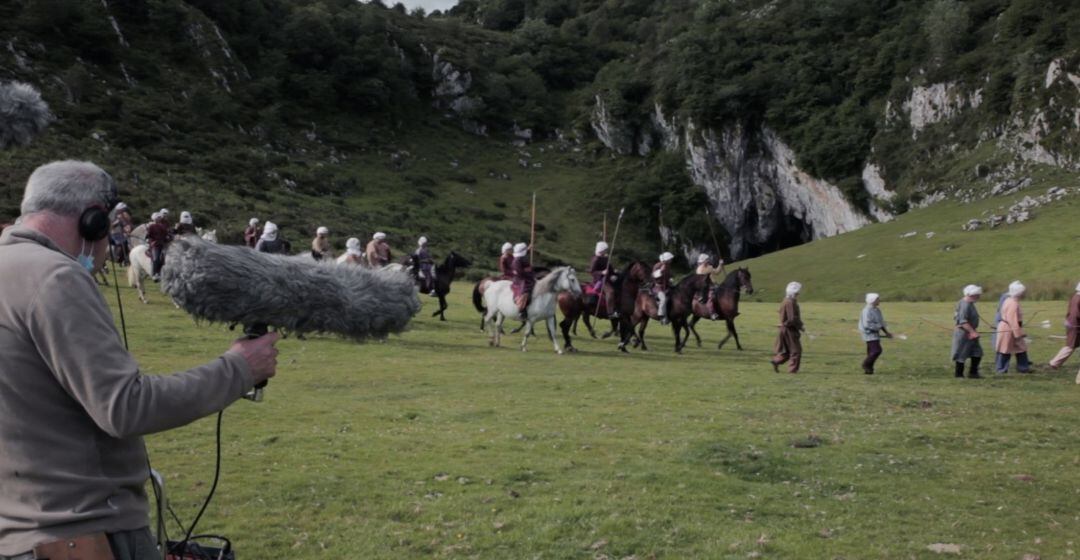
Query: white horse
[(499, 300), (142, 267)]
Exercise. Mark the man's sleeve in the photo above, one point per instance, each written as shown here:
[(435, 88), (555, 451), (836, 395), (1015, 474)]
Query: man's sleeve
[(73, 331)]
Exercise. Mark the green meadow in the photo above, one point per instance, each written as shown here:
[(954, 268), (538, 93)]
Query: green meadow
[(434, 445)]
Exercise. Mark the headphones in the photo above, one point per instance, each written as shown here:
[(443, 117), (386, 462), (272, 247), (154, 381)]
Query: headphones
[(94, 221)]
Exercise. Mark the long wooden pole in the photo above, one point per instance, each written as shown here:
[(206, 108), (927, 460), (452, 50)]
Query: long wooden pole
[(611, 254), (604, 237), (532, 232)]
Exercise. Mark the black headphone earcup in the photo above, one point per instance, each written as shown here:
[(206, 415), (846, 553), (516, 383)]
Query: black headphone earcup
[(94, 224)]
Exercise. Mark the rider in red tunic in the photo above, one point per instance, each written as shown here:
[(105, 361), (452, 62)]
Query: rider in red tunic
[(523, 277), (600, 269), (506, 261)]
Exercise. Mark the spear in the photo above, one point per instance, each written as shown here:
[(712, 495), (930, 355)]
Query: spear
[(532, 232), (604, 237), (611, 254)]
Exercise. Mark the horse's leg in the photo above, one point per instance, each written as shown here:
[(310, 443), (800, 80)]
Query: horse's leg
[(730, 328), (550, 323), (641, 333), (676, 329), (528, 332), (734, 332), (564, 325), (442, 306), (693, 329), (614, 327)]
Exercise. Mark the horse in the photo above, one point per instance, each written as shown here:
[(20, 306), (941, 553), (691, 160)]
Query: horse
[(482, 285), (636, 304), (585, 306), (444, 276), (723, 303), (499, 301)]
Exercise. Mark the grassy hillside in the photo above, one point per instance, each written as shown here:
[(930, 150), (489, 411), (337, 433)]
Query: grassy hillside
[(1041, 252), (434, 445)]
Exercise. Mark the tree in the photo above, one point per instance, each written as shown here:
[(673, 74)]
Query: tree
[(946, 26)]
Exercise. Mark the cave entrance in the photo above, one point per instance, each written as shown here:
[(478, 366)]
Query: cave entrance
[(790, 232)]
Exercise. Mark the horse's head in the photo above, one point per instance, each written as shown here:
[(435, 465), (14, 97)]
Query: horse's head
[(569, 282), (457, 261), (637, 271), (743, 275)]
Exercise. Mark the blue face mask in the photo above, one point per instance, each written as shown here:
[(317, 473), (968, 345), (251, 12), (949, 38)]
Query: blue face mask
[(87, 261)]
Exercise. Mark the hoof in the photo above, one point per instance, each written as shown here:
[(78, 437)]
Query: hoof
[(559, 352), (571, 349)]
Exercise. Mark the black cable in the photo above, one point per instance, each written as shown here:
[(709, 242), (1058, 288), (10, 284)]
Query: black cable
[(119, 302), (209, 496)]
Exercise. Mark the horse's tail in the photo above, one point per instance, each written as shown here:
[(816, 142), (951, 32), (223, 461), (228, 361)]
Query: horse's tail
[(478, 298), (132, 273)]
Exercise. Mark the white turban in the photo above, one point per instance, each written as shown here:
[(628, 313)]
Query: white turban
[(872, 297), (666, 257), (323, 230), (1078, 287), (379, 236), (164, 212), (508, 246), (352, 246), (121, 206), (270, 231), (972, 290), (422, 241), (1016, 289), (253, 222), (520, 250), (793, 288), (185, 217), (155, 216), (703, 258), (601, 247)]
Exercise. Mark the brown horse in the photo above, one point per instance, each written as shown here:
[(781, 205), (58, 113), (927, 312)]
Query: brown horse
[(585, 306), (723, 304), (636, 304)]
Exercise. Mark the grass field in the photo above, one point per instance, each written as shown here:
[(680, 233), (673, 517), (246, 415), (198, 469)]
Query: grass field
[(435, 445)]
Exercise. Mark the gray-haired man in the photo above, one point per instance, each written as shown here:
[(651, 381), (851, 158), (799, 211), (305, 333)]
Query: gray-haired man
[(75, 404)]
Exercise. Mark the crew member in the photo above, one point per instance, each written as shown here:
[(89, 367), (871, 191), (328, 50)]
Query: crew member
[(75, 404)]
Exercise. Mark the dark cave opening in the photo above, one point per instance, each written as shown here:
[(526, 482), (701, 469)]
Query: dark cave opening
[(790, 232)]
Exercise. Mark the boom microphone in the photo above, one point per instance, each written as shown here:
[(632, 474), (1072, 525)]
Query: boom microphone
[(236, 285), (23, 114)]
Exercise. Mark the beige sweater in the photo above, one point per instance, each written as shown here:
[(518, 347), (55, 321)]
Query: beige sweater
[(74, 405)]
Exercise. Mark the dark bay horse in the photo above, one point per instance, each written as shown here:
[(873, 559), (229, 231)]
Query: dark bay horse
[(636, 304), (444, 276), (723, 303), (585, 306)]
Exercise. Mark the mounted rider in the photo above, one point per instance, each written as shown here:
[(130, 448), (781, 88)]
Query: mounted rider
[(378, 251), (705, 268), (186, 225), (353, 254), (158, 238), (524, 279), (251, 233), (119, 231), (424, 266), (506, 261), (661, 284), (601, 271), (270, 242), (320, 246)]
